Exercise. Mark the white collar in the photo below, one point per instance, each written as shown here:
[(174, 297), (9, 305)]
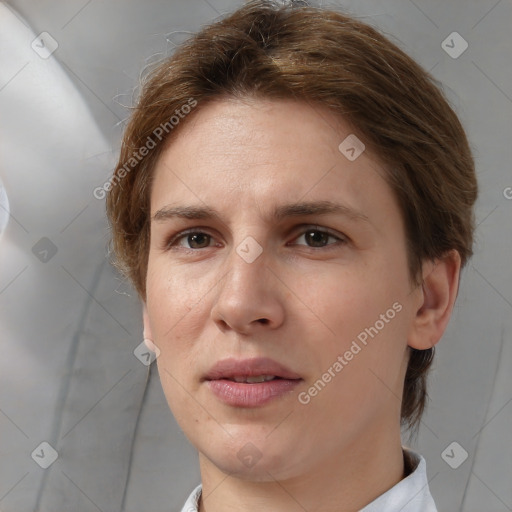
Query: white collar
[(412, 494)]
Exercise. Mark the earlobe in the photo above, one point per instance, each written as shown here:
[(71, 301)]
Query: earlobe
[(438, 292)]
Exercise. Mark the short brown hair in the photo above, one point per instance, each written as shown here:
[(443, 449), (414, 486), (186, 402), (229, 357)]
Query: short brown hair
[(273, 51)]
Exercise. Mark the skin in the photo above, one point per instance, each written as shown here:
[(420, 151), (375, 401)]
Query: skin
[(204, 303)]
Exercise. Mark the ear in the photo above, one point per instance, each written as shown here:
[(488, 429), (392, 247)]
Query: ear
[(437, 293)]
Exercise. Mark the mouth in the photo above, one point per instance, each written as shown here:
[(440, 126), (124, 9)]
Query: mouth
[(253, 380), (250, 382)]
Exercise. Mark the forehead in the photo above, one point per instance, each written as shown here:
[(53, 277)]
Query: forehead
[(262, 153), (268, 131)]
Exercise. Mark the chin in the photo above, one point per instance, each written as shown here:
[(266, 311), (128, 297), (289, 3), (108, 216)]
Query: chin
[(255, 459)]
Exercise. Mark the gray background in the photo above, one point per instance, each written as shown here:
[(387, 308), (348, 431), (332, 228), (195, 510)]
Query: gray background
[(69, 325)]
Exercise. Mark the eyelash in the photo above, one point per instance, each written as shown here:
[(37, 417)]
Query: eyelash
[(172, 242)]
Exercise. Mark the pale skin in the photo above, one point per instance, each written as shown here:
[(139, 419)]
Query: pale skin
[(301, 302)]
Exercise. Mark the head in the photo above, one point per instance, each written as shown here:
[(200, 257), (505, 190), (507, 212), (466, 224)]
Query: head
[(248, 131)]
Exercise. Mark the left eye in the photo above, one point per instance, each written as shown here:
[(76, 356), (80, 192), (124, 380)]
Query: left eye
[(318, 238)]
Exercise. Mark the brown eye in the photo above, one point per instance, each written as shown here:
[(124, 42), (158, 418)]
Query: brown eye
[(198, 240), (191, 240), (318, 238)]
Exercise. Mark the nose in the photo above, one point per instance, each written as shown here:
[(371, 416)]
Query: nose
[(250, 297)]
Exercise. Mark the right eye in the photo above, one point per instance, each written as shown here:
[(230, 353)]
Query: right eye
[(193, 239)]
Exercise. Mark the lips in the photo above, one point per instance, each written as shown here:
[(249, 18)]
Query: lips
[(250, 382), (256, 367)]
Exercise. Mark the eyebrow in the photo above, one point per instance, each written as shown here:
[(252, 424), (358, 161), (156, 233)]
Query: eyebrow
[(280, 212)]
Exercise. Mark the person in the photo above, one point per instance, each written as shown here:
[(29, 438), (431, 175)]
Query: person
[(293, 203)]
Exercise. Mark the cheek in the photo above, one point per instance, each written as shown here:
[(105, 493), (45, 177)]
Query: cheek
[(173, 298), (172, 378), (367, 318), (174, 309), (349, 301)]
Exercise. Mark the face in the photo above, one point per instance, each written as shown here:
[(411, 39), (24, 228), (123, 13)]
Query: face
[(277, 262)]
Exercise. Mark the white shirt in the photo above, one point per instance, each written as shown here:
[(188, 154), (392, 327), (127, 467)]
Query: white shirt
[(411, 494)]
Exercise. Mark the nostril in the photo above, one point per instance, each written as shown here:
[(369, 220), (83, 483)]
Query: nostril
[(263, 320)]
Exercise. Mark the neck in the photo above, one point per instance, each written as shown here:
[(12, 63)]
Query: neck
[(351, 478)]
